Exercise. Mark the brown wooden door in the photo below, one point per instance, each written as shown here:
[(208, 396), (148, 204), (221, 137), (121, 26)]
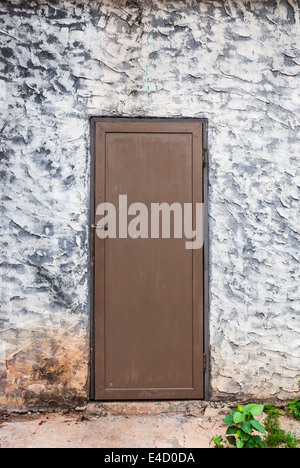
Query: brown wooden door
[(148, 320)]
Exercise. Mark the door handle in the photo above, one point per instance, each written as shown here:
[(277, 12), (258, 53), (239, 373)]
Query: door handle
[(104, 227)]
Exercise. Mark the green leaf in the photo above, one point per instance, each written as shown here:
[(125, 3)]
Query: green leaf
[(258, 440), (249, 407), (244, 436), (256, 410), (246, 427), (240, 408), (232, 430), (293, 402), (258, 426), (239, 444), (238, 417), (231, 440), (217, 440), (250, 443), (228, 419)]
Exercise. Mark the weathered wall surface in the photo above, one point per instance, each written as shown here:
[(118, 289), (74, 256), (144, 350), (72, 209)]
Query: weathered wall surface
[(236, 63)]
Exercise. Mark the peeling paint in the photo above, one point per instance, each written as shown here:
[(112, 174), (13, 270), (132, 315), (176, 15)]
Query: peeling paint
[(235, 63)]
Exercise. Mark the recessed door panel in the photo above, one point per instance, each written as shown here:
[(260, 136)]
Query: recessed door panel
[(148, 286)]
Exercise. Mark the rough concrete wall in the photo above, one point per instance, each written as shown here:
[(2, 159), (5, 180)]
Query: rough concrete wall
[(236, 63)]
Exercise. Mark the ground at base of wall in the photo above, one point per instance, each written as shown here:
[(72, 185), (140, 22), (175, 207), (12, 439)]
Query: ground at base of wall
[(119, 426)]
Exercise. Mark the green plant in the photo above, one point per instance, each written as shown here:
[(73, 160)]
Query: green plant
[(218, 441), (277, 437), (294, 408), (243, 428)]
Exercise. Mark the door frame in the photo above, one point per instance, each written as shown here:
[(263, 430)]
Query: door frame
[(205, 185)]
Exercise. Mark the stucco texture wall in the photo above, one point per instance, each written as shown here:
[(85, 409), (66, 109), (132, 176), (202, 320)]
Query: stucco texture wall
[(236, 63)]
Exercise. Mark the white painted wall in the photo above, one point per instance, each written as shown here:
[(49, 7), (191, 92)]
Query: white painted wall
[(236, 63)]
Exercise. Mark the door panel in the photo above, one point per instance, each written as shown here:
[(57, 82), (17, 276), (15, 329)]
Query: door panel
[(148, 291)]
